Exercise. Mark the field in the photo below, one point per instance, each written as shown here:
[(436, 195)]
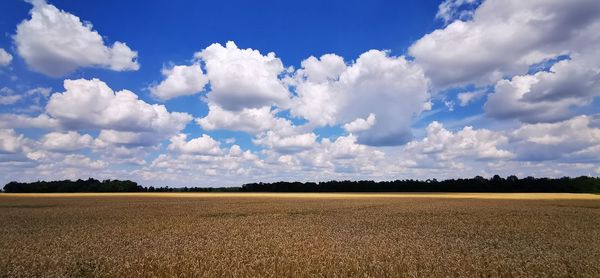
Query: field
[(275, 235)]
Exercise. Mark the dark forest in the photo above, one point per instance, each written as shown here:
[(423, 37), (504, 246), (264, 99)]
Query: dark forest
[(581, 184)]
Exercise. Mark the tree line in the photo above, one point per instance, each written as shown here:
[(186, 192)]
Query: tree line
[(89, 185), (94, 185), (581, 184)]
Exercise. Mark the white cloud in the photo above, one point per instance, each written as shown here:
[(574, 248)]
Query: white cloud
[(204, 145), (39, 91), (548, 96), (34, 100), (360, 124), (24, 121), (287, 143), (5, 58), (131, 138), (245, 85), (121, 118), (15, 149), (250, 120), (242, 78), (66, 142), (316, 102), (442, 144), (391, 88), (90, 104), (201, 161), (8, 96), (79, 161), (235, 150), (55, 42), (576, 139), (449, 104), (504, 38), (122, 153), (345, 147), (342, 157), (9, 99), (180, 81), (318, 70), (55, 166), (465, 98), (375, 98), (31, 98), (450, 10), (506, 102), (10, 141)]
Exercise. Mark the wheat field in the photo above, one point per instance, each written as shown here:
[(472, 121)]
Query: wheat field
[(299, 235)]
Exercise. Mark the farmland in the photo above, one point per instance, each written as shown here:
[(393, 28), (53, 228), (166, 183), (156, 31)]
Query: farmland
[(273, 235)]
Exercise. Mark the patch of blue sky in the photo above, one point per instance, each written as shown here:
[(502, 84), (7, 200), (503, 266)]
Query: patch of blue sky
[(547, 64), (331, 132)]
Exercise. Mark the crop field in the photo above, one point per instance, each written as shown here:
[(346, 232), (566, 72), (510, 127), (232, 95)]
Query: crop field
[(299, 235)]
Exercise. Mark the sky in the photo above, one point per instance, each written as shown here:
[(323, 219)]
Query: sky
[(222, 93)]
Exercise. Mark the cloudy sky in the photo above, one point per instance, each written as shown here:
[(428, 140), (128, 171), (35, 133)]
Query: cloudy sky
[(219, 93)]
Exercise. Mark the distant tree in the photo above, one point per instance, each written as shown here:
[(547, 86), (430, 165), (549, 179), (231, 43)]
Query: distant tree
[(512, 179), (89, 185), (476, 184)]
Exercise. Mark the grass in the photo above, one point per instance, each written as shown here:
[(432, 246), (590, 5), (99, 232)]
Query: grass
[(299, 234)]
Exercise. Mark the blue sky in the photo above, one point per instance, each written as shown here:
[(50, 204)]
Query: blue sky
[(226, 92)]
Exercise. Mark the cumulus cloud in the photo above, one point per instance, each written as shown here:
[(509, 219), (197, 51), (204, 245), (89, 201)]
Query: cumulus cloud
[(5, 58), (89, 104), (250, 120), (10, 141), (8, 96), (287, 144), (450, 10), (248, 89), (24, 121), (242, 78), (360, 124), (343, 156), (198, 161), (316, 103), (504, 38), (39, 91), (346, 147), (442, 144), (131, 138), (15, 149), (318, 70), (66, 141), (55, 42), (374, 98), (180, 81), (54, 166), (548, 96), (391, 88), (464, 98), (203, 145), (576, 140), (57, 155), (81, 162)]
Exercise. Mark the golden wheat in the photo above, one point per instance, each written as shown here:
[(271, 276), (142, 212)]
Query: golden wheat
[(299, 235)]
